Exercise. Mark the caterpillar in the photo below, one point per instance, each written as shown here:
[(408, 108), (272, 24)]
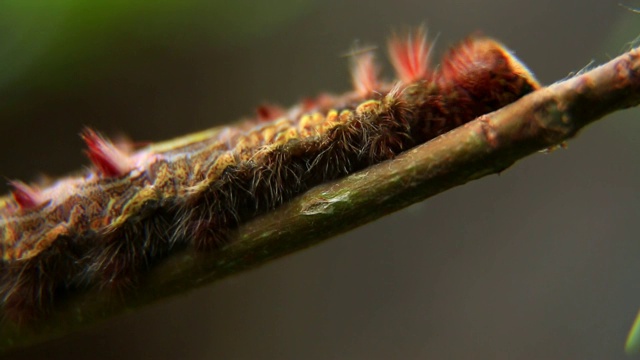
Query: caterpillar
[(105, 226)]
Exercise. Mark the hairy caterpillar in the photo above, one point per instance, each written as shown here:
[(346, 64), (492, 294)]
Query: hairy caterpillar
[(104, 227)]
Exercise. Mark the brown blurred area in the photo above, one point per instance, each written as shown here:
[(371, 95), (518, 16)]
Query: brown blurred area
[(538, 262)]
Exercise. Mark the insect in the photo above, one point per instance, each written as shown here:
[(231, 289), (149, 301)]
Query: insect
[(106, 226)]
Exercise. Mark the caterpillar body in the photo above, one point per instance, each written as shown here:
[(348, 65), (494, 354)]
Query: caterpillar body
[(107, 225)]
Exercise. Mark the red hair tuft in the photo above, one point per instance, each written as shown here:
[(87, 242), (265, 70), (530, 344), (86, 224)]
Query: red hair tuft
[(268, 112), (108, 159), (364, 74), (410, 55), (26, 196)]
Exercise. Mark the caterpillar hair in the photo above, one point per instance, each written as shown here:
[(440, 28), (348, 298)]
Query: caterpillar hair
[(105, 227)]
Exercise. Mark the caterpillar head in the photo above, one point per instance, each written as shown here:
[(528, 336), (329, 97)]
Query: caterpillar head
[(483, 72)]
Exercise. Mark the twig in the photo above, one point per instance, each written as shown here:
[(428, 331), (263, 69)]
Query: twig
[(488, 145)]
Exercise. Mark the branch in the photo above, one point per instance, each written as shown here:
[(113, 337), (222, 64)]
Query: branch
[(487, 145)]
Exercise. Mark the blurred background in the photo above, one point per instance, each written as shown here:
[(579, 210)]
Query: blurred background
[(538, 262)]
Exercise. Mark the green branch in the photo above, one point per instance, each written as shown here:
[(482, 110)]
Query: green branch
[(488, 145)]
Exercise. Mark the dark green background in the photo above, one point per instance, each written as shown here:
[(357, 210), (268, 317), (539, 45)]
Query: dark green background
[(539, 262)]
